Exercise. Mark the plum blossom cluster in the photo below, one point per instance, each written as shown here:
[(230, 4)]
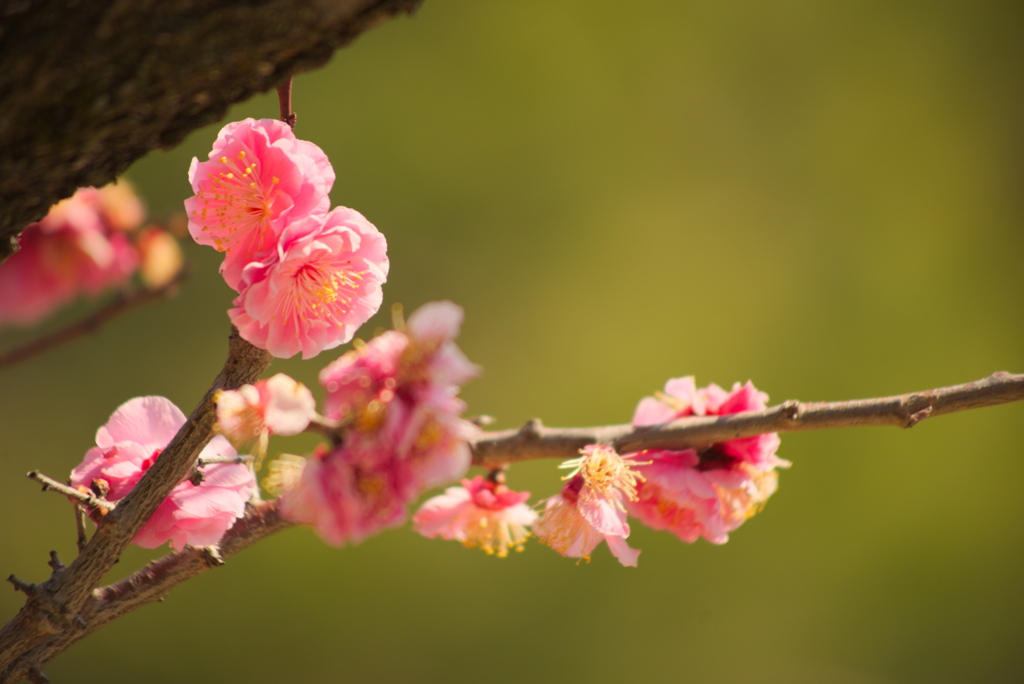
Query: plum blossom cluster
[(394, 400), (705, 492), (87, 244), (692, 493), (193, 514), (306, 276)]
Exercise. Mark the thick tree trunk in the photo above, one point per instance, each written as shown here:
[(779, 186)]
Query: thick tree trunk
[(89, 86)]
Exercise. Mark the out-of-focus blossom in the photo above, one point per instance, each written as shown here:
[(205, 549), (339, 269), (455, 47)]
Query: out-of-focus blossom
[(129, 444), (707, 492), (481, 513), (79, 247), (278, 405), (259, 180), (591, 506), (161, 256), (396, 398), (317, 289)]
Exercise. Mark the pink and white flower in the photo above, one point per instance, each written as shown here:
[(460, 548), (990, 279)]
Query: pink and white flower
[(481, 513), (278, 405), (712, 491), (311, 294), (130, 443), (591, 506), (259, 180), (396, 398)]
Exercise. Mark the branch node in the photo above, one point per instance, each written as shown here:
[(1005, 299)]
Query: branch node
[(37, 676), (55, 562), (531, 429), (918, 416), (791, 409), (210, 555), (24, 587)]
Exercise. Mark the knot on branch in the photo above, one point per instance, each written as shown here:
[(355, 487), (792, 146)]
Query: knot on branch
[(531, 429), (790, 410), (210, 555)]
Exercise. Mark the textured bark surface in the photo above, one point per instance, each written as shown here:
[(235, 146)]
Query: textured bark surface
[(90, 86)]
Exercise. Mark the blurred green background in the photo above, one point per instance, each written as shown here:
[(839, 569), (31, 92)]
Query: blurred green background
[(825, 198)]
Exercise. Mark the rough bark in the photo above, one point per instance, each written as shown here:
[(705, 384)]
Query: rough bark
[(89, 86)]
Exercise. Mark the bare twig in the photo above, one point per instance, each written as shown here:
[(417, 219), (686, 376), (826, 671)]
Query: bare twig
[(86, 498), (534, 440), (284, 97), (122, 303)]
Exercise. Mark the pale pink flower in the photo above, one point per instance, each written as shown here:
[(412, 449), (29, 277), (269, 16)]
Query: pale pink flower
[(590, 507), (313, 293), (259, 180), (481, 513), (396, 398), (278, 405), (712, 491), (73, 250), (130, 443)]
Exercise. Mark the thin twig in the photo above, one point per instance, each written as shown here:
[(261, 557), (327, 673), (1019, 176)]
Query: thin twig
[(284, 97), (86, 498), (81, 536), (534, 440), (122, 303)]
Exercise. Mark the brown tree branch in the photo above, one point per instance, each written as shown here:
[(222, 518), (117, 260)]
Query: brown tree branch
[(152, 583), (57, 607), (122, 303), (534, 440), (490, 449), (91, 86)]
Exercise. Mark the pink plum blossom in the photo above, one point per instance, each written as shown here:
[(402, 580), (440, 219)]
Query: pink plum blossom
[(712, 491), (130, 443), (481, 513), (396, 399), (590, 508), (313, 293), (278, 405), (259, 180), (79, 247)]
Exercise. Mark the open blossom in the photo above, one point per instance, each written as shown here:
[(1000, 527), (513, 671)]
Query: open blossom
[(79, 247), (396, 395), (591, 506), (313, 293), (278, 405), (481, 513), (129, 444), (259, 180), (707, 492)]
